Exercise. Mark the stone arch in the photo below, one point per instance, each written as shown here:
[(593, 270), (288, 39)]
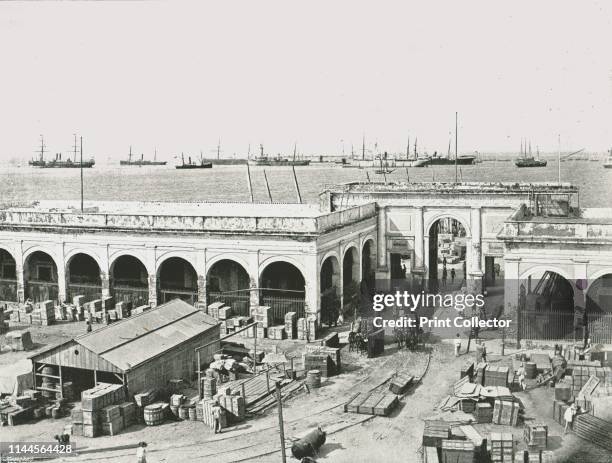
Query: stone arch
[(287, 259), (129, 280), (540, 268), (244, 263), (170, 254), (140, 256), (83, 276), (32, 249), (599, 308), (68, 257), (350, 265), (40, 272), (176, 278), (368, 260), (431, 248), (330, 285), (283, 288), (228, 281), (8, 276)]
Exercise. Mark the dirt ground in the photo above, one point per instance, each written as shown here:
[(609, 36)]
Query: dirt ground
[(351, 437)]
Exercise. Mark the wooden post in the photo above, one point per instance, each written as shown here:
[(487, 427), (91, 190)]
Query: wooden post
[(279, 402), (61, 383), (95, 377), (243, 391), (268, 378), (199, 377), (255, 352)]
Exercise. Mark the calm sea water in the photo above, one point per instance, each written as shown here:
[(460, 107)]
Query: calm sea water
[(229, 183)]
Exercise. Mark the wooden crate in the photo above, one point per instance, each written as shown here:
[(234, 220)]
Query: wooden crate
[(400, 383), (536, 436), (506, 413), (483, 412), (435, 433), (457, 451), (430, 455)]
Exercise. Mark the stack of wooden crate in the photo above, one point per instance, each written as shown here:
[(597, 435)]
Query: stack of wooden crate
[(480, 373), (93, 403), (276, 332), (291, 325), (111, 420), (501, 447)]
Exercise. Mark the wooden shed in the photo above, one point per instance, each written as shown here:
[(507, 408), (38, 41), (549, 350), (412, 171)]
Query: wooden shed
[(142, 352)]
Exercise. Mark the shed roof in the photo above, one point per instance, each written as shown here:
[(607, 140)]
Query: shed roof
[(132, 341)]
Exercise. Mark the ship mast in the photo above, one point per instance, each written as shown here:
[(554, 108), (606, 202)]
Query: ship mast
[(75, 147), (42, 148), (408, 149), (130, 155), (363, 148), (218, 149)]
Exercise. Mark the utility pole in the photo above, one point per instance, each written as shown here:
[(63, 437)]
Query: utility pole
[(559, 161), (81, 175), (456, 146), (279, 403)]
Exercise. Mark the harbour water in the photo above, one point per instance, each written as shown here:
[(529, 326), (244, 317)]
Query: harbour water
[(229, 183)]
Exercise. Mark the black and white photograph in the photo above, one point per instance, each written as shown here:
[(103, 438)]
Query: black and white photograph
[(316, 232)]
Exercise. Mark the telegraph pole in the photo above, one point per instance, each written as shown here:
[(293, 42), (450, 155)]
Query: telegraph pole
[(456, 149), (81, 175), (279, 403)]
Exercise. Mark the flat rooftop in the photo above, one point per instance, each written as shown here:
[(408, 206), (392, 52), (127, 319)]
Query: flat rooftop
[(190, 217), (216, 209), (454, 188)]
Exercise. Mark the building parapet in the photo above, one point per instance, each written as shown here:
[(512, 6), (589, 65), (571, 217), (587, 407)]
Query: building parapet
[(268, 218), (584, 225)]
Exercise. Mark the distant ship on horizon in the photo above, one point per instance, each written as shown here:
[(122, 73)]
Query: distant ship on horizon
[(278, 160), (142, 161), (58, 162), (192, 165)]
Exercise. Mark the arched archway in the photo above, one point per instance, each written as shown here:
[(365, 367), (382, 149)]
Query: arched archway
[(129, 281), (8, 277), (283, 289), (329, 281), (599, 309), (368, 262), (350, 274), (176, 278), (229, 282), (448, 254), (546, 306), (83, 277), (40, 277)]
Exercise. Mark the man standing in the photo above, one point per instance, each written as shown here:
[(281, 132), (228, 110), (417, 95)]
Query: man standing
[(141, 453), (453, 273), (457, 345), (444, 276), (569, 415), (216, 411)]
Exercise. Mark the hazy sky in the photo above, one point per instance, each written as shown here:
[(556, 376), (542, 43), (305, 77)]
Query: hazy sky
[(179, 75)]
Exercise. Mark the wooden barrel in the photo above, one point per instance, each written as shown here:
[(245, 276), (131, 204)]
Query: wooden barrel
[(563, 392), (153, 415), (209, 387), (183, 413), (192, 413), (530, 370), (313, 378)]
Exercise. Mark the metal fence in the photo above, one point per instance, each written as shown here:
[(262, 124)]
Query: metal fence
[(282, 304), (136, 295), (238, 301), (559, 326), (90, 291), (8, 290)]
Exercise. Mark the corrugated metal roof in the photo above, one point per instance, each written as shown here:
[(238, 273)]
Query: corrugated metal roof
[(135, 340)]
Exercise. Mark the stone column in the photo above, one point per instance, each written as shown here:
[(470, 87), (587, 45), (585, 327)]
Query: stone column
[(511, 296), (341, 272), (105, 280), (153, 290), (475, 272), (419, 242), (382, 268), (253, 270), (62, 287), (313, 293), (20, 278), (202, 289)]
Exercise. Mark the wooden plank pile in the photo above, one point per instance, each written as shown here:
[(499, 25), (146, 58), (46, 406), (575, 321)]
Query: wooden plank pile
[(435, 433), (506, 413), (467, 369), (374, 403), (594, 430), (288, 388), (581, 374), (501, 447)]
